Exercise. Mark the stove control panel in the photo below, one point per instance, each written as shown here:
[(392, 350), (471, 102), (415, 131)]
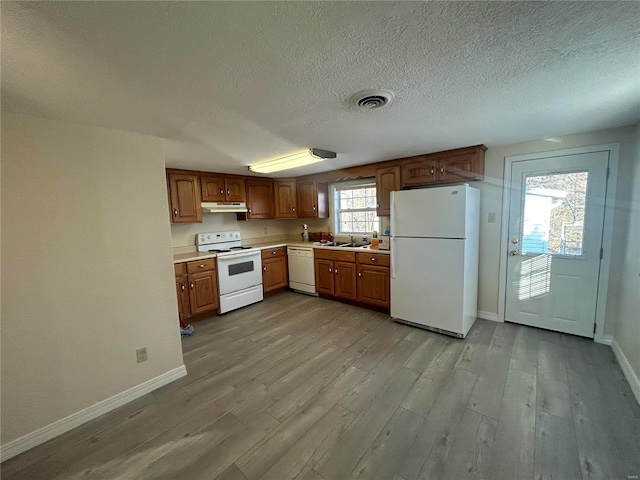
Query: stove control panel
[(217, 237)]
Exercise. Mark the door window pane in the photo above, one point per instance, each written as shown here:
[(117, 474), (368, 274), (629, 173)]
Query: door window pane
[(553, 220)]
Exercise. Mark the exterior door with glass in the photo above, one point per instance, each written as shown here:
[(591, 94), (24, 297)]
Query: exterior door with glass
[(556, 215)]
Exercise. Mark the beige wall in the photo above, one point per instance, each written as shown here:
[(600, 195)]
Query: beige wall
[(627, 332), (491, 189), (185, 235), (86, 268)]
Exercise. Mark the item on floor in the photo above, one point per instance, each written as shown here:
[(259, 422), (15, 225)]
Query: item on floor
[(239, 269), (434, 258), (186, 331)]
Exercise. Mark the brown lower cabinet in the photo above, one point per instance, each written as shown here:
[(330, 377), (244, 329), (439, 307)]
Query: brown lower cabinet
[(275, 274), (363, 277), (336, 273), (374, 279), (196, 287)]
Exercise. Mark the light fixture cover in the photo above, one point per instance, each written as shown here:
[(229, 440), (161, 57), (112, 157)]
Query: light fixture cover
[(306, 157)]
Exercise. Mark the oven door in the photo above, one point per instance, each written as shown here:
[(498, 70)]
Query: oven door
[(239, 271)]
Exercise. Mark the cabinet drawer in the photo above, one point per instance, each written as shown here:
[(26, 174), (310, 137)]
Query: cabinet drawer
[(274, 252), (335, 255), (179, 269), (374, 259), (201, 265)]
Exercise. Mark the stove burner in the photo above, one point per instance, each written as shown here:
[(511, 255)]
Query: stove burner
[(219, 251), (240, 248)]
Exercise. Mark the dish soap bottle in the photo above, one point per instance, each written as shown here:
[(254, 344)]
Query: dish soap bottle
[(305, 233)]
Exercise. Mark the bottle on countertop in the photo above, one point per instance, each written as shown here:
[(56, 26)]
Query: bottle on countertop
[(305, 233)]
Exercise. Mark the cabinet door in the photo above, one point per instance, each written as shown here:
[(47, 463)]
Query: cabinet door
[(259, 198), (373, 285), (184, 198), (203, 292), (307, 198), (419, 171), (184, 310), (324, 276), (212, 188), (285, 199), (234, 189), (274, 274), (460, 168), (345, 284), (387, 181)]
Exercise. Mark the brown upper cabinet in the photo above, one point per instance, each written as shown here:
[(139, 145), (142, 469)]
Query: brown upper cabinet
[(259, 198), (419, 170), (387, 180), (313, 198), (463, 164), (184, 197), (219, 188), (285, 198)]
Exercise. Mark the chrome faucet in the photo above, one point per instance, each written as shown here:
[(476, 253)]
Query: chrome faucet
[(351, 240)]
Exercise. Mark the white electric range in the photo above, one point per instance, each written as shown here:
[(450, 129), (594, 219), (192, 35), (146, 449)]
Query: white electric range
[(239, 269)]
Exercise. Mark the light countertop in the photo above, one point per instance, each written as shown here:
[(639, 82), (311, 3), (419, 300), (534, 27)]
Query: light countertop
[(186, 257)]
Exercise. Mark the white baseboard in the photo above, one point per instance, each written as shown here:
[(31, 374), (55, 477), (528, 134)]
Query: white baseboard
[(629, 374), (604, 339), (488, 316), (74, 420)]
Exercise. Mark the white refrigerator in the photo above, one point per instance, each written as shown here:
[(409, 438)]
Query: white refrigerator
[(434, 258)]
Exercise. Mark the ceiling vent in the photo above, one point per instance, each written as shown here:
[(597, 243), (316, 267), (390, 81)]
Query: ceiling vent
[(370, 99)]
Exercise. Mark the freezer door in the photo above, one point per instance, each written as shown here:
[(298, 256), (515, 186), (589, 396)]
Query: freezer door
[(427, 282), (429, 212)]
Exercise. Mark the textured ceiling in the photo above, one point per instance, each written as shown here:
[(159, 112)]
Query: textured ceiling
[(229, 83)]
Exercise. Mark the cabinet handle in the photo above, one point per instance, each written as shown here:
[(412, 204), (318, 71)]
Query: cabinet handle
[(293, 209), (377, 205), (374, 259), (264, 269), (441, 169), (249, 211), (432, 170), (221, 192), (191, 285), (228, 192), (182, 287), (314, 208), (202, 266), (336, 271), (330, 270), (175, 212), (360, 274), (274, 253)]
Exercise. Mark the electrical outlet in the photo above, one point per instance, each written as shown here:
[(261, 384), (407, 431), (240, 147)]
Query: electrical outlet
[(492, 217), (141, 354)]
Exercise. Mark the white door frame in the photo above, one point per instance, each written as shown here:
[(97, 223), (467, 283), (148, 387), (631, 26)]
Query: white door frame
[(607, 235)]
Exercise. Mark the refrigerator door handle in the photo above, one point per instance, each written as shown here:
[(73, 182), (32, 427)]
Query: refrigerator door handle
[(393, 214), (393, 259)]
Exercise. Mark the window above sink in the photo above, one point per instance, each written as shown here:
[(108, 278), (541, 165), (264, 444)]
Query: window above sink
[(354, 208)]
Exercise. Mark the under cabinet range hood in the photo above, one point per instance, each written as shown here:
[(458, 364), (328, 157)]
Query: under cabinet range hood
[(224, 207)]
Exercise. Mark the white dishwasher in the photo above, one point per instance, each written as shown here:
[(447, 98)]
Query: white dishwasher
[(302, 275)]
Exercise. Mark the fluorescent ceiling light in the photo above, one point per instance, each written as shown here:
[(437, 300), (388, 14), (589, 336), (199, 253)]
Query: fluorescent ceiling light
[(307, 157)]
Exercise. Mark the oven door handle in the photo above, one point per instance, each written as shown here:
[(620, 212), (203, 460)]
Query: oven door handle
[(239, 255)]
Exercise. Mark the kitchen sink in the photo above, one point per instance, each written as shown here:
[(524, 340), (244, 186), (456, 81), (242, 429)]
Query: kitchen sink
[(352, 245)]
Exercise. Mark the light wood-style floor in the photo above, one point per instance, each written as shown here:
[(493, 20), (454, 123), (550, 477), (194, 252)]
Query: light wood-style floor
[(300, 387)]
